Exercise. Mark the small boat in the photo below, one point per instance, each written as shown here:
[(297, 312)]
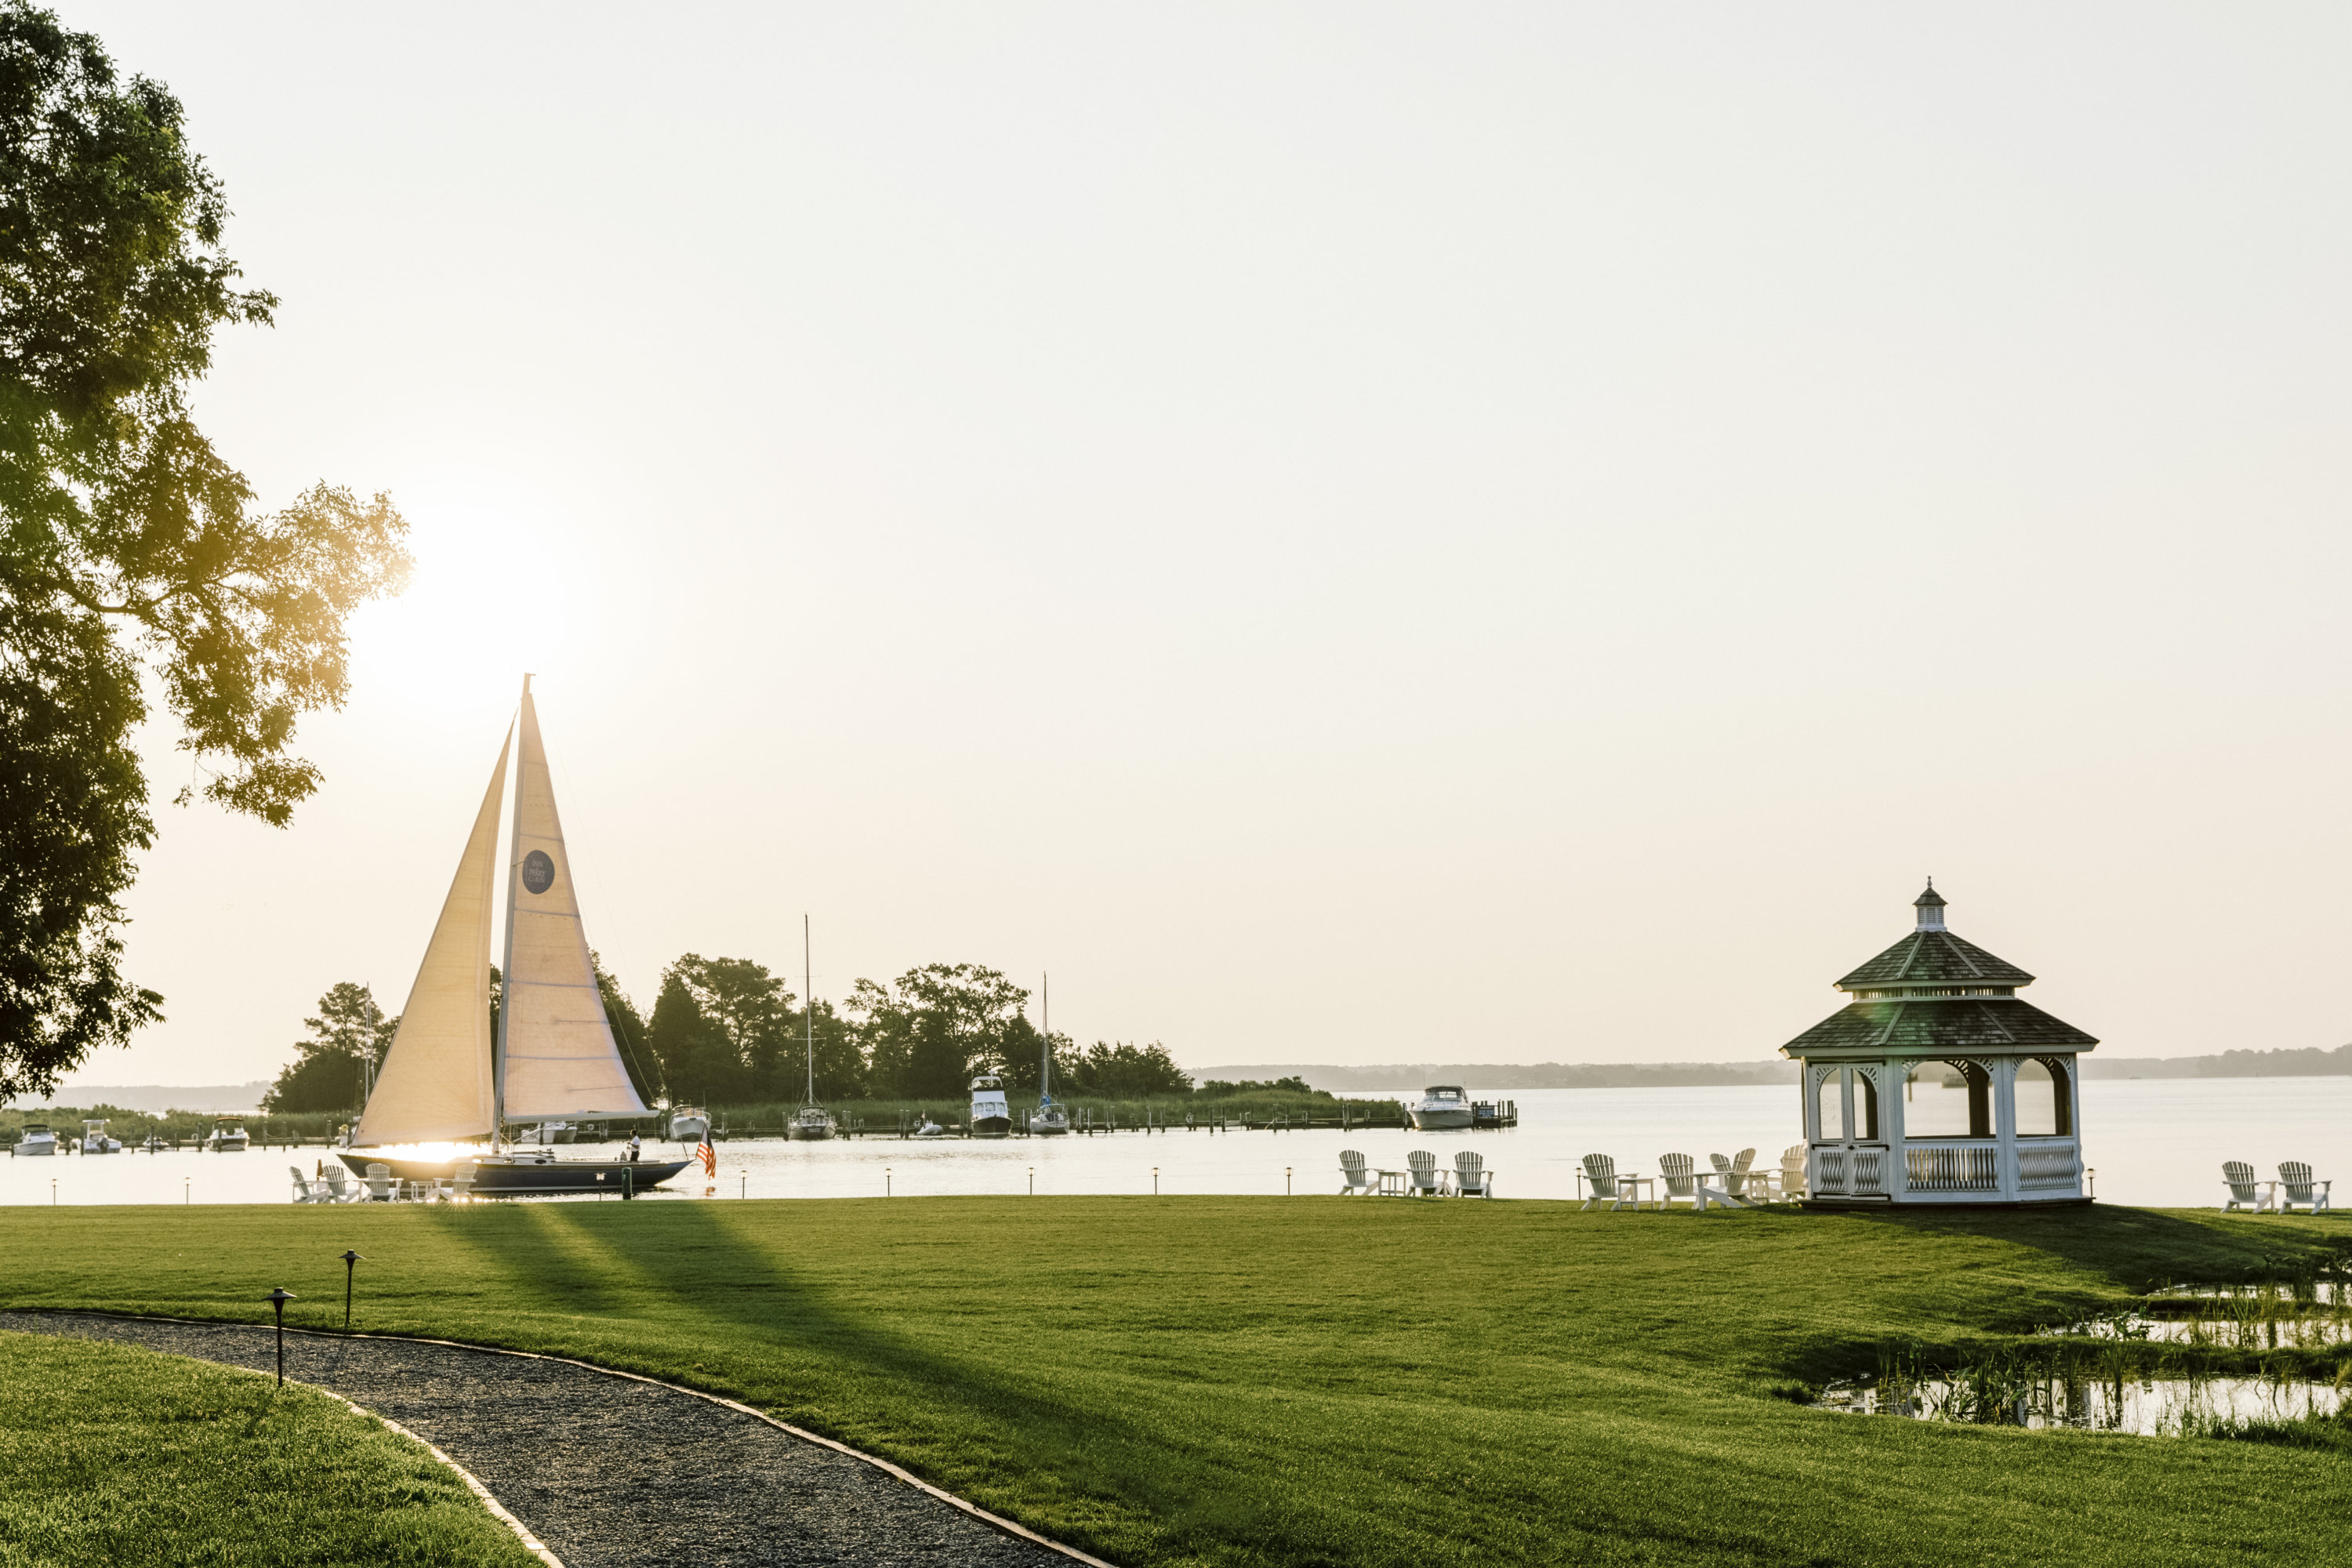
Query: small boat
[(814, 1121), (688, 1124), (1049, 1120), (930, 1128), (989, 1116), (94, 1140), (228, 1136), (1441, 1106), (154, 1144), (37, 1140), (554, 1062)]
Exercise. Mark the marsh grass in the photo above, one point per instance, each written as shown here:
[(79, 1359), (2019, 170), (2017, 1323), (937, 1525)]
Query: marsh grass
[(113, 1455)]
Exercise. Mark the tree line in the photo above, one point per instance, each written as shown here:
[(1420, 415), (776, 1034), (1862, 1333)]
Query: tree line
[(727, 1031)]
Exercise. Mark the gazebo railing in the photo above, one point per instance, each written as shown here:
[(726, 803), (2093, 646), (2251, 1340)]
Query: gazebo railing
[(2049, 1162), (1952, 1167), (1838, 1169)]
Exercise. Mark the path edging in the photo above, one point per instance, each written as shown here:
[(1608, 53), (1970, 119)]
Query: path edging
[(995, 1521)]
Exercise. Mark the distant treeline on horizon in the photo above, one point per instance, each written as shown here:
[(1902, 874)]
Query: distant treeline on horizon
[(2307, 1062)]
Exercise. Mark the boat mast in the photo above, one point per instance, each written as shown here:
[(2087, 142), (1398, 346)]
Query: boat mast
[(506, 1000), (808, 1007), (1045, 1052)]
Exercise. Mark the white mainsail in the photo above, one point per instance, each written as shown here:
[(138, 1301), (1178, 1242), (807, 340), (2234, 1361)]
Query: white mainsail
[(435, 1081), (556, 1048)]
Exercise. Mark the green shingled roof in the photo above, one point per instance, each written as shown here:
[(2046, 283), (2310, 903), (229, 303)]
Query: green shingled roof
[(1935, 957), (1936, 1025)]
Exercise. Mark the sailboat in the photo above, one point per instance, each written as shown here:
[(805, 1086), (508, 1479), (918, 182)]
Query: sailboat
[(1051, 1120), (445, 1078), (813, 1121)]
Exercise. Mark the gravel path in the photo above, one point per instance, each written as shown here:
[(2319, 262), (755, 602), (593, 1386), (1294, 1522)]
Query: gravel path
[(607, 1470)]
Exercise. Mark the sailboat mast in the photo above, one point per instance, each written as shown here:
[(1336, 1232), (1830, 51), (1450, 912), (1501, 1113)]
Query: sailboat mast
[(506, 970), (808, 1007), (1045, 1053)]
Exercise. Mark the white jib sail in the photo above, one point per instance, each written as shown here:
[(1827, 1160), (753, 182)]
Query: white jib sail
[(436, 1080), (560, 1060)]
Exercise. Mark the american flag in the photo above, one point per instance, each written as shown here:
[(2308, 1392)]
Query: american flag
[(708, 1156)]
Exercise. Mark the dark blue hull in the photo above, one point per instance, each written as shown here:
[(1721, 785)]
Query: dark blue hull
[(502, 1177)]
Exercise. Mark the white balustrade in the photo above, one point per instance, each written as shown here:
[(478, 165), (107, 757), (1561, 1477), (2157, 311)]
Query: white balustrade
[(2054, 1162)]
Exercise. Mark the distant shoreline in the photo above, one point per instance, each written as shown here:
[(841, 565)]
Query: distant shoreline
[(1499, 1076)]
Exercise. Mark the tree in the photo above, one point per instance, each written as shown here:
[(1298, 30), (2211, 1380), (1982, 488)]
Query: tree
[(628, 1033), (694, 1056), (331, 1068), (927, 1032), (130, 551), (1125, 1072), (751, 1007)]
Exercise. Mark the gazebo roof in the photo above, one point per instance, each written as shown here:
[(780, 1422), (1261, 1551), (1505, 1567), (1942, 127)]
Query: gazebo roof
[(2000, 1025), (1932, 957)]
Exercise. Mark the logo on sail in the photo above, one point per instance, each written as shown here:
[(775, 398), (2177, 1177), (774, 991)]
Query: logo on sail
[(538, 871)]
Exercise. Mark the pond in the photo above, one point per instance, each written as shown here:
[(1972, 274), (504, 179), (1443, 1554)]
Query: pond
[(2152, 1407)]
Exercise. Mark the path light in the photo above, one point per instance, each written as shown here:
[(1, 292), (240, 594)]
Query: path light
[(2094, 1181), (350, 1260), (277, 1299), (1033, 1181), (743, 1186), (1155, 1181), (886, 1181), (185, 1196), (1286, 1181), (53, 1192)]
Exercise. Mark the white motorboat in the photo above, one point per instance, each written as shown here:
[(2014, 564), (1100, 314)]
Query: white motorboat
[(688, 1124), (930, 1128), (37, 1140), (990, 1117), (1443, 1106), (553, 1061), (94, 1140), (228, 1136)]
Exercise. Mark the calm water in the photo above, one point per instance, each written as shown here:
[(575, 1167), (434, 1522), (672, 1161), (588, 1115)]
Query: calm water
[(2158, 1142)]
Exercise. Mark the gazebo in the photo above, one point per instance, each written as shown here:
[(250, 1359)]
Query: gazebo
[(1936, 1084)]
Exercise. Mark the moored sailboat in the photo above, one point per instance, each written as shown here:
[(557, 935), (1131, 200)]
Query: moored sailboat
[(1049, 1120), (554, 1061), (812, 1121)]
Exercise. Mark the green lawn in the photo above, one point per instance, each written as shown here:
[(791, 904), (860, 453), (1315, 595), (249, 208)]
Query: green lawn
[(1318, 1379), (119, 1455)]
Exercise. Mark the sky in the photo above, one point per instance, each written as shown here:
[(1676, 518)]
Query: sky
[(1345, 534)]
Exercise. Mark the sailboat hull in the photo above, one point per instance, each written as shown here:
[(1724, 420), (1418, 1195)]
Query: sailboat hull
[(498, 1178)]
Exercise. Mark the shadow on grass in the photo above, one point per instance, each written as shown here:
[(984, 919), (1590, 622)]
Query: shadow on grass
[(966, 1422)]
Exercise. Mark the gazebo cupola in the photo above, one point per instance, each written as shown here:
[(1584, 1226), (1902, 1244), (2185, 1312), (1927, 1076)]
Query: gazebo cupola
[(1936, 1084)]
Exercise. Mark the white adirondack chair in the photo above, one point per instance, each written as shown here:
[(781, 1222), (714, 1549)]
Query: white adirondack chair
[(1680, 1174), (461, 1185), (2295, 1186), (1352, 1172), (1600, 1169), (1422, 1166), (1740, 1175), (381, 1186), (304, 1193), (338, 1190), (1792, 1170), (1471, 1177), (2244, 1191)]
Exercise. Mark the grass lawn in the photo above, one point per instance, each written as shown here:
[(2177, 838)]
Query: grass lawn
[(1320, 1380), (119, 1455)]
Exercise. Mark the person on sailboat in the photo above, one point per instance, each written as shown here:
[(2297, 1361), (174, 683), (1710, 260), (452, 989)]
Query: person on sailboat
[(637, 1146)]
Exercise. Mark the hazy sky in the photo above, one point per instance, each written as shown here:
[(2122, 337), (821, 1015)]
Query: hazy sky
[(1347, 533)]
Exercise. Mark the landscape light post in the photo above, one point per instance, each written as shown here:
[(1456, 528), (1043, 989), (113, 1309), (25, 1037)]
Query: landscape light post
[(351, 1261), (53, 1192), (743, 1183), (277, 1299), (1155, 1181), (1033, 1181), (886, 1181), (1286, 1181)]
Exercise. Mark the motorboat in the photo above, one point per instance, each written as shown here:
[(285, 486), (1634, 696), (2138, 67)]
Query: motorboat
[(154, 1144), (445, 1079), (988, 1117), (811, 1123), (688, 1124), (228, 1136), (1442, 1106), (37, 1140), (930, 1128), (94, 1140)]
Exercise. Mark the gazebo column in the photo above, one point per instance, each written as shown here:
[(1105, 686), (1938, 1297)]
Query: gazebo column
[(2004, 1123), (1890, 1127)]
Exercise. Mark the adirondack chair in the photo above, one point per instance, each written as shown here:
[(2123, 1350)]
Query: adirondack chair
[(1600, 1169), (1422, 1167), (1352, 1172), (381, 1186), (2297, 1188), (338, 1190), (1680, 1174), (2245, 1191), (1793, 1171), (304, 1193), (1471, 1177), (461, 1185), (1740, 1174)]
